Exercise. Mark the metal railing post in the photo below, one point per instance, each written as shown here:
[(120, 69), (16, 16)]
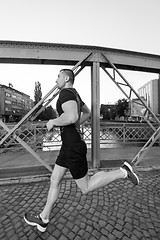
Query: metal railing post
[(124, 135)]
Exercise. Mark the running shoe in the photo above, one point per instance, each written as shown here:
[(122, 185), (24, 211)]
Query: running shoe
[(130, 174), (35, 221)]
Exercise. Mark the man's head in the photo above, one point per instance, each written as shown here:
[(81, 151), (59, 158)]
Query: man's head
[(65, 78), (69, 74)]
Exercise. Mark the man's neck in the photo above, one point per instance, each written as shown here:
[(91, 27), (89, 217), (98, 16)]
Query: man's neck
[(68, 85)]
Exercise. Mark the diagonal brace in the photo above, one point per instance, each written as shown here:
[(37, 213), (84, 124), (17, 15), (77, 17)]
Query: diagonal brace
[(29, 149), (146, 147)]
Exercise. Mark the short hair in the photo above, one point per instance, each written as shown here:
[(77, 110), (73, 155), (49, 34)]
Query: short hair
[(69, 73)]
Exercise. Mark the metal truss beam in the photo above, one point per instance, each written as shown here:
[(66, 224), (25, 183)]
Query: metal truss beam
[(143, 151), (67, 54), (11, 132), (29, 149), (125, 83)]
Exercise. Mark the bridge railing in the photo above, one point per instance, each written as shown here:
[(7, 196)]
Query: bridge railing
[(112, 135)]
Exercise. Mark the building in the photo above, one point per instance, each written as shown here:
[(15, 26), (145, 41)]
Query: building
[(13, 104), (151, 94), (137, 109)]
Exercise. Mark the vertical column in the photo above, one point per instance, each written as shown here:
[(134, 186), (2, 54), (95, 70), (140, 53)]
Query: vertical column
[(159, 94), (95, 95)]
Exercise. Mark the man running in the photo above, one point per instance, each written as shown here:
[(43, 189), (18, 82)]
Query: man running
[(72, 156)]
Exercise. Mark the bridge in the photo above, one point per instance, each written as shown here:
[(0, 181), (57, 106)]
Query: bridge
[(81, 56)]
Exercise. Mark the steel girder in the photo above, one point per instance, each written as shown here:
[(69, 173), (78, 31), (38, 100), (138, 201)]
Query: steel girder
[(125, 83), (11, 132), (96, 57), (67, 54)]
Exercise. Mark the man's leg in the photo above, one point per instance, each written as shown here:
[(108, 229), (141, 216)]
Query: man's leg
[(56, 178), (42, 220), (98, 180), (103, 178)]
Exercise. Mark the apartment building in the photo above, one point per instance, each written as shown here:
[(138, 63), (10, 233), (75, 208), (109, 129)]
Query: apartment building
[(13, 104), (151, 93)]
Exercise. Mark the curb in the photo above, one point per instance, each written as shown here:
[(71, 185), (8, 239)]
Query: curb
[(46, 177)]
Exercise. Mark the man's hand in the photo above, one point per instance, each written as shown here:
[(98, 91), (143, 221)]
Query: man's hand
[(50, 124)]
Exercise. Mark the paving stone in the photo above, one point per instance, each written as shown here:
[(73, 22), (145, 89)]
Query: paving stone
[(109, 228), (78, 238), (119, 227), (96, 233), (134, 237), (125, 238), (152, 232), (111, 237), (56, 233), (23, 238), (117, 211), (2, 235), (102, 238), (75, 229), (117, 234), (51, 238), (63, 237)]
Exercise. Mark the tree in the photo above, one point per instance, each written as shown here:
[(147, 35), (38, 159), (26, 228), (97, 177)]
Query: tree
[(38, 97), (122, 107), (108, 111), (37, 93), (48, 113), (104, 112)]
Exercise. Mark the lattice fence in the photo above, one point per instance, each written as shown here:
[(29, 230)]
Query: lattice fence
[(111, 135)]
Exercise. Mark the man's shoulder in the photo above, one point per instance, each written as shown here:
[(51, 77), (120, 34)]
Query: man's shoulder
[(67, 94)]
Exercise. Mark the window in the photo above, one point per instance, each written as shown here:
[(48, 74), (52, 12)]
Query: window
[(14, 103), (7, 101), (7, 109), (14, 96), (7, 94), (20, 105)]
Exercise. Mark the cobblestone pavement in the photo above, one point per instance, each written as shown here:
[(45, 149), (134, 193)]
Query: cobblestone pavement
[(117, 211)]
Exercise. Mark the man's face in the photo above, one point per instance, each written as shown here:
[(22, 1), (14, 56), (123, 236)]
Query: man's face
[(61, 80)]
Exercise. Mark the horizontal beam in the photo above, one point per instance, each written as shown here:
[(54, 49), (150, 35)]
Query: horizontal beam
[(67, 54)]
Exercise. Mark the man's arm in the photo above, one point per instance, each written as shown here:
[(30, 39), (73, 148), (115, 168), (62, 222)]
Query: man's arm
[(86, 113), (69, 115)]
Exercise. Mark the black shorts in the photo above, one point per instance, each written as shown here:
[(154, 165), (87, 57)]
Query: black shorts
[(74, 158)]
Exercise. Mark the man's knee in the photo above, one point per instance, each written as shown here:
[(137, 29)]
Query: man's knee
[(54, 181), (83, 184), (57, 175)]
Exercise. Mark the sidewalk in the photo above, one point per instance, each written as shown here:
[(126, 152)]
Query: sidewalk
[(116, 211), (23, 163)]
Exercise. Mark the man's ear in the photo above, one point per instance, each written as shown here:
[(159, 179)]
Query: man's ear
[(67, 79)]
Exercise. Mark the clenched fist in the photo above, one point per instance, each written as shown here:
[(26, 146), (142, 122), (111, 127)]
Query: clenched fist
[(50, 125)]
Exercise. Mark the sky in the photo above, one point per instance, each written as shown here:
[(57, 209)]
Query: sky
[(120, 24)]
